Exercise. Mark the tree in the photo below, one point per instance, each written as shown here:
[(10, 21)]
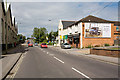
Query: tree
[(39, 34), (21, 38), (52, 35)]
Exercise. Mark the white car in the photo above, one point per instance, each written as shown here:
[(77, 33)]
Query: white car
[(66, 46)]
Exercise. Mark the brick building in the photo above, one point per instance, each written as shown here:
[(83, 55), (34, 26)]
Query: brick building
[(91, 31)]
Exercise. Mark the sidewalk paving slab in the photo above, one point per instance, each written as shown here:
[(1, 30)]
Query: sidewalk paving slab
[(8, 62), (10, 59)]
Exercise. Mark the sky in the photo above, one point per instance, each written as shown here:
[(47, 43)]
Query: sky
[(48, 14)]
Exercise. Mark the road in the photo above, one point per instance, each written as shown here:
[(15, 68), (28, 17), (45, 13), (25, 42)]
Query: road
[(50, 63)]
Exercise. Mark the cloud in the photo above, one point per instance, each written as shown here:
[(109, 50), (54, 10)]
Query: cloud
[(38, 14)]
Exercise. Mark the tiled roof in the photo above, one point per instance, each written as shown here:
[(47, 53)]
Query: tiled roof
[(91, 18), (67, 23), (116, 23)]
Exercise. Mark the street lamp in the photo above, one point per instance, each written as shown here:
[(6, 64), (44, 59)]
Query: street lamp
[(51, 32)]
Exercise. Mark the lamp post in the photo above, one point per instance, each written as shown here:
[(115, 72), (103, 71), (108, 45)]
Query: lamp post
[(51, 32)]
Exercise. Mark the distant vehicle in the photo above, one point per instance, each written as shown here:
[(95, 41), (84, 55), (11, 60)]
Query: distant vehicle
[(94, 31), (30, 45), (43, 45), (66, 46), (36, 44)]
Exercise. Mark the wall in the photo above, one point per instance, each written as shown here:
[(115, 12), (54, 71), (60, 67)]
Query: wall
[(2, 22), (97, 41), (105, 52), (0, 28), (60, 31)]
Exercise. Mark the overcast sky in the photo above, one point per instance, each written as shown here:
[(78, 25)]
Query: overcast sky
[(38, 14)]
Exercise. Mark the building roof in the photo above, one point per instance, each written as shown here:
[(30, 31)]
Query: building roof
[(116, 23), (3, 7), (67, 23), (6, 5), (91, 18)]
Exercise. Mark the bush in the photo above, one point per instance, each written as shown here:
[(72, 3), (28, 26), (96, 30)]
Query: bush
[(50, 43), (107, 45), (89, 46), (97, 45), (45, 41)]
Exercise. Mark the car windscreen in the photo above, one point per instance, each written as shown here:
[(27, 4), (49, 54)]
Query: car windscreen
[(66, 44), (43, 43)]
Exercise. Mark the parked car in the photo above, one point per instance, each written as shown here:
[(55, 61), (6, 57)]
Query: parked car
[(30, 45), (43, 45), (36, 44), (66, 46)]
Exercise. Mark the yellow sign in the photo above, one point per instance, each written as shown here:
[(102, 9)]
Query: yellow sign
[(60, 37)]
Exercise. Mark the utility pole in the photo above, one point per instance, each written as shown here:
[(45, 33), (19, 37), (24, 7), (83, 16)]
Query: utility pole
[(52, 33)]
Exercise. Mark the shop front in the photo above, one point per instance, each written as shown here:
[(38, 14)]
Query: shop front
[(65, 38), (70, 39), (76, 40)]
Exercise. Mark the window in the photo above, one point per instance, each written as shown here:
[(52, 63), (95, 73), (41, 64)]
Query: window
[(2, 29), (117, 28)]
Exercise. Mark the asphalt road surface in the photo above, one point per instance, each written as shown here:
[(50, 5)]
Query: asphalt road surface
[(51, 63)]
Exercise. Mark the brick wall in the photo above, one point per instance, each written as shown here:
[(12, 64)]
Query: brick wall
[(103, 52), (98, 41)]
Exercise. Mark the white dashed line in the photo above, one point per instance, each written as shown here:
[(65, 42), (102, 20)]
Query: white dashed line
[(51, 54), (59, 60), (81, 73)]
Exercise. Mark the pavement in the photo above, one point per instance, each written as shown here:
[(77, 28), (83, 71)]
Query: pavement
[(86, 52), (10, 59)]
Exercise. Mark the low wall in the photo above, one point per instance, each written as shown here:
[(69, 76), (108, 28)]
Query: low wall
[(105, 52)]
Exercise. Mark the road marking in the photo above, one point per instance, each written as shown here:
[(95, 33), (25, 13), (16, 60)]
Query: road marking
[(58, 59), (81, 73), (51, 54), (47, 52), (67, 52)]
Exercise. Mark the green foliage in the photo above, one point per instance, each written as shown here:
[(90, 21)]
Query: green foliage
[(52, 35), (39, 34), (21, 38), (45, 41), (106, 44), (89, 46), (97, 45), (50, 43)]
